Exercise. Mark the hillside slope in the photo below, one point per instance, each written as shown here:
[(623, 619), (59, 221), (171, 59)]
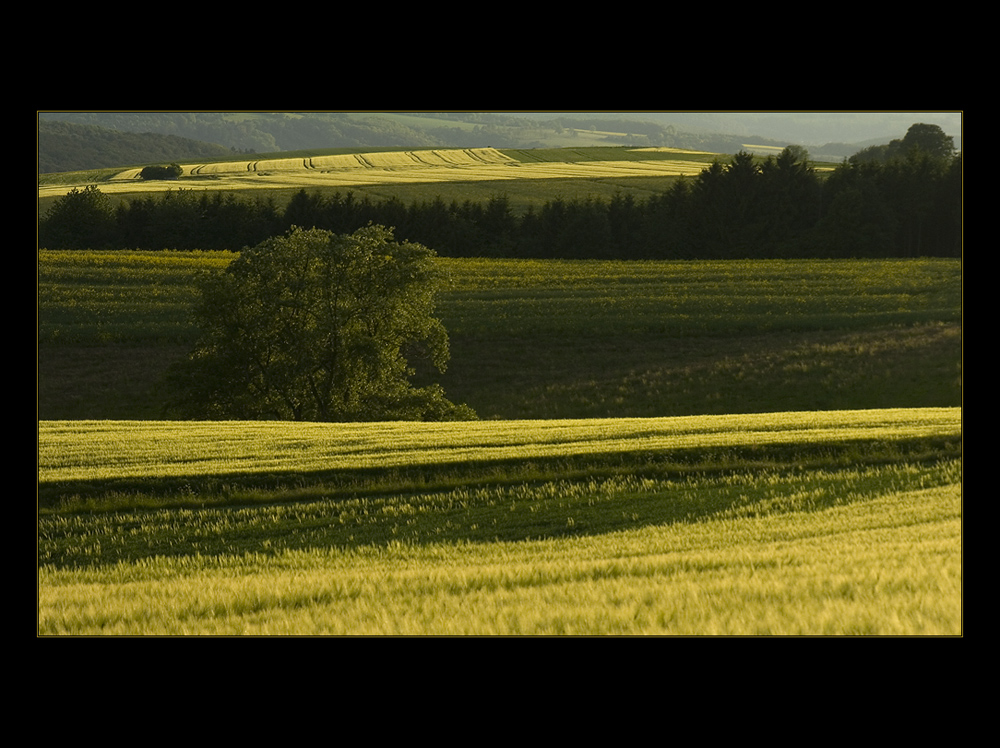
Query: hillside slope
[(829, 136), (63, 146)]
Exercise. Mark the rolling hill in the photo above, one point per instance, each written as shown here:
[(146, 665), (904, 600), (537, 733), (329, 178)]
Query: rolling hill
[(72, 141), (63, 146)]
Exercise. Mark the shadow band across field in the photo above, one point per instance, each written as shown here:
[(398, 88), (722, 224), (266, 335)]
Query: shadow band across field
[(513, 500), (268, 487)]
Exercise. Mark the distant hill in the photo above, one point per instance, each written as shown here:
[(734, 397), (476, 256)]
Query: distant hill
[(807, 128), (828, 136), (63, 146), (244, 133), (262, 133)]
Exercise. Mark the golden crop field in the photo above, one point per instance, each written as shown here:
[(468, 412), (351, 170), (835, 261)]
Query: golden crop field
[(390, 167), (885, 564), (803, 547)]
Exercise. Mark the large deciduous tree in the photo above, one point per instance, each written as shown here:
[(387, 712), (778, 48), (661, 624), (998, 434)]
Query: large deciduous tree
[(317, 326), (930, 139)]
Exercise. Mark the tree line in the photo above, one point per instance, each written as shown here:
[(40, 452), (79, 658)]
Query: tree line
[(908, 204)]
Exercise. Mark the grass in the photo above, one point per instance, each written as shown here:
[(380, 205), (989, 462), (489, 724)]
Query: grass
[(561, 339), (831, 505), (123, 296), (865, 550), (779, 524), (683, 298)]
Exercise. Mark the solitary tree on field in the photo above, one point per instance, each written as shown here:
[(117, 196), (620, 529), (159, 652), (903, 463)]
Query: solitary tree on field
[(317, 326)]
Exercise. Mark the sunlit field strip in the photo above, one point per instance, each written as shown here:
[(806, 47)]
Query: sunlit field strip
[(387, 168), (472, 157), (472, 171), (90, 450), (667, 149)]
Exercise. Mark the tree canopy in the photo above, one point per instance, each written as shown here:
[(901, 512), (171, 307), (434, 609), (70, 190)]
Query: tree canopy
[(318, 326), (173, 171), (80, 219), (929, 140)]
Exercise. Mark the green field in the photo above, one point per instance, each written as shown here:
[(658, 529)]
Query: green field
[(886, 564), (665, 448), (561, 339)]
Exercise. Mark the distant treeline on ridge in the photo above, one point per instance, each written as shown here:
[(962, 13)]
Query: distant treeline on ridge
[(908, 206)]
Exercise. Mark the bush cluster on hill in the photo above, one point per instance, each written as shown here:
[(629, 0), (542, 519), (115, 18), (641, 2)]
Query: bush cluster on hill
[(173, 171)]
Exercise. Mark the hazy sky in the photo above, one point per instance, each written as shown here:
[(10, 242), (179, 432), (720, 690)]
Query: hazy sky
[(805, 127)]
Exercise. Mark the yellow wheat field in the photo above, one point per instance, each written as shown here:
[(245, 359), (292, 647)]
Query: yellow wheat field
[(390, 167)]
